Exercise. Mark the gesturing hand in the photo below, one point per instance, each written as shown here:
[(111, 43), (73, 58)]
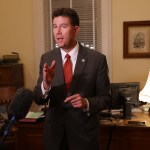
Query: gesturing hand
[(77, 101), (48, 74)]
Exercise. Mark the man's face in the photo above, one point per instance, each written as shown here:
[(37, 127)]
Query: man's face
[(64, 33)]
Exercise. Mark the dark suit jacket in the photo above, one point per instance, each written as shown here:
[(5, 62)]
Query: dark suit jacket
[(91, 81)]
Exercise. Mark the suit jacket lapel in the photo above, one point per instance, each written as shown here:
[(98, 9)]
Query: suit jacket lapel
[(80, 64)]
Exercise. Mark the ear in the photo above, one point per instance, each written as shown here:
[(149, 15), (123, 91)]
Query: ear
[(76, 28)]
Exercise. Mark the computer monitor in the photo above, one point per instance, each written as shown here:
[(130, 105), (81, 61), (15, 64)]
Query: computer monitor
[(117, 88)]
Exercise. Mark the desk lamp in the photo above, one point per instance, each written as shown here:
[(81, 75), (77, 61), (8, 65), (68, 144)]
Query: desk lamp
[(144, 95)]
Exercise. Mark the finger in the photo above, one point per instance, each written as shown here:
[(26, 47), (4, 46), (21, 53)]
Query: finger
[(45, 66), (53, 64), (77, 105), (80, 103), (70, 98), (75, 102)]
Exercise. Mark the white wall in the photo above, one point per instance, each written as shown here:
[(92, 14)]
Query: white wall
[(128, 70)]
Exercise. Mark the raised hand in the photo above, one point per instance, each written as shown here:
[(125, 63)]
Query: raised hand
[(48, 74)]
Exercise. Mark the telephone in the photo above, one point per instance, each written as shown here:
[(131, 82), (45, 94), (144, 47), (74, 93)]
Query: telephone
[(11, 58)]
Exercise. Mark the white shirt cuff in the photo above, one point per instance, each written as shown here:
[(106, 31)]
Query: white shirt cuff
[(87, 108), (45, 92)]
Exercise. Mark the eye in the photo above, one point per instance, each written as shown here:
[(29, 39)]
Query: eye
[(64, 26), (54, 26)]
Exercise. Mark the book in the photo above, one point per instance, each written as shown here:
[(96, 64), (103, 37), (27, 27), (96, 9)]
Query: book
[(33, 117)]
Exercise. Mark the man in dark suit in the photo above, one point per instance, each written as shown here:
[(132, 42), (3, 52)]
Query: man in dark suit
[(71, 121)]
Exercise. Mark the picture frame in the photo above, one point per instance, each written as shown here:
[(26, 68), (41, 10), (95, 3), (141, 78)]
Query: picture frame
[(136, 39)]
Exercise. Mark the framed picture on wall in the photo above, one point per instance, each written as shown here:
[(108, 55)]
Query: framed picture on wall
[(136, 39)]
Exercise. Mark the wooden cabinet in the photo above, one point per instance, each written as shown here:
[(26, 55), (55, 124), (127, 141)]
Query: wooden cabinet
[(29, 136), (11, 78), (11, 75)]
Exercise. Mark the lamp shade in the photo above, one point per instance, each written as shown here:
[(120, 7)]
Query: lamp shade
[(144, 95)]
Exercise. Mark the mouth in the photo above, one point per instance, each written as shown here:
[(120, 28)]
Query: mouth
[(59, 39)]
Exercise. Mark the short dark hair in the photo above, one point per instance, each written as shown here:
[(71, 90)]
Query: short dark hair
[(67, 12)]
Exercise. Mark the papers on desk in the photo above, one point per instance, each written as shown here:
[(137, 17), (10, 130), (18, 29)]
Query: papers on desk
[(116, 111), (33, 117), (136, 109)]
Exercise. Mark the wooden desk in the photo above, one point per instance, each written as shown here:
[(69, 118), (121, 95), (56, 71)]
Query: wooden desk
[(10, 142), (29, 136), (124, 137)]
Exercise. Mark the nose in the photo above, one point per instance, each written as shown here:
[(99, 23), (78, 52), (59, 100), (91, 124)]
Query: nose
[(58, 30)]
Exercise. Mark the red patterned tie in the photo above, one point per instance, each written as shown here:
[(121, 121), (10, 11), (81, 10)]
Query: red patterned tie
[(68, 71)]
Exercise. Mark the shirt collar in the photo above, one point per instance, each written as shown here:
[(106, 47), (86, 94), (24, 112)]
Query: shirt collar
[(73, 53)]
